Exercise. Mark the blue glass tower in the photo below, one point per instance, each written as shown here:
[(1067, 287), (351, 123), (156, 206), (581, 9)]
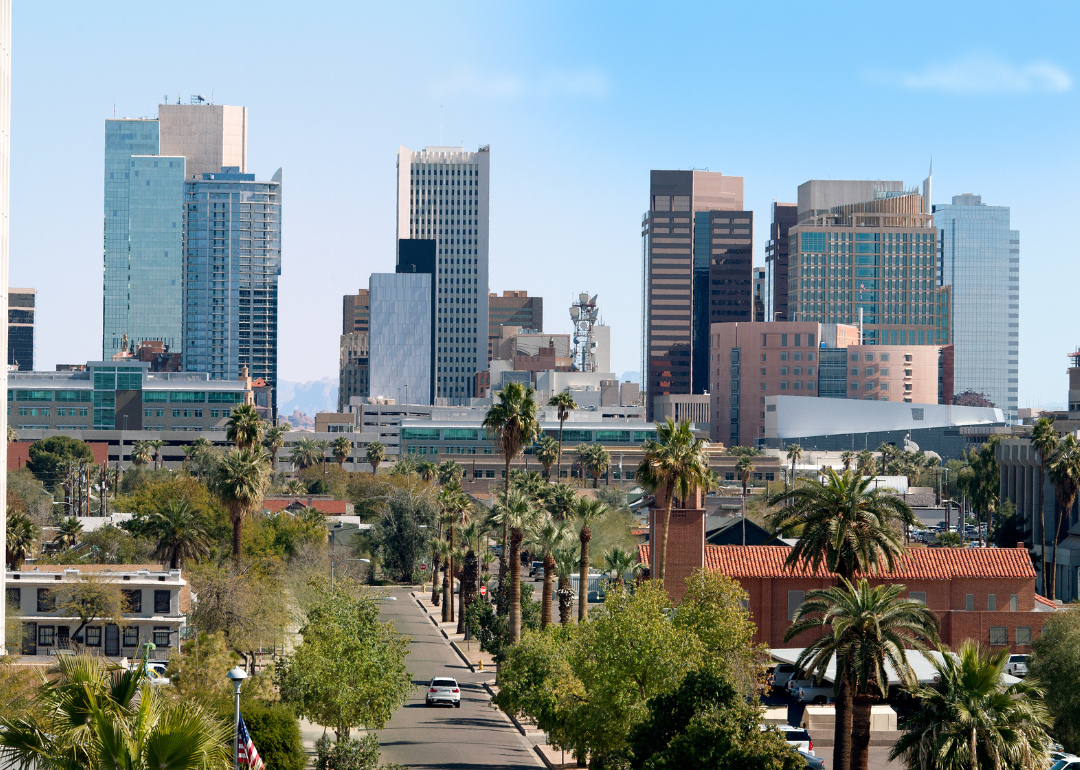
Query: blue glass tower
[(232, 260)]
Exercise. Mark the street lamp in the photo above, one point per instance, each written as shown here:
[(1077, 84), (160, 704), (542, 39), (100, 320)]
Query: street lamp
[(337, 563), (237, 676)]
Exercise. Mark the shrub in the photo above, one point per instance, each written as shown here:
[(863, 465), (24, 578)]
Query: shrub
[(275, 731)]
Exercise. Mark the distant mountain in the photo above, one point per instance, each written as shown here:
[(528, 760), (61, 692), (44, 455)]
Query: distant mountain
[(309, 397), (631, 377)]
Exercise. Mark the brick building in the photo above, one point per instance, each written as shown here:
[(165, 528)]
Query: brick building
[(985, 594)]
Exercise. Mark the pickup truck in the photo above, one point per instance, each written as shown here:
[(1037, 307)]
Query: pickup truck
[(815, 695), (793, 685), (781, 674)]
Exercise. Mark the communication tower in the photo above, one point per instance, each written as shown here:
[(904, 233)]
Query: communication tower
[(584, 314)]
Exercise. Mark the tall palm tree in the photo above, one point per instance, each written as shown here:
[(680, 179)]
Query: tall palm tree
[(155, 445), (445, 552), (513, 424), (794, 454), (515, 515), (847, 528), (548, 454), (68, 531), (201, 456), (587, 512), (245, 428), (449, 503), (426, 470), (91, 714), (594, 461), (21, 534), (342, 448), (1045, 440), (239, 482), (305, 454), (296, 488), (180, 533), (566, 562), (867, 627), (141, 453), (1065, 473), (969, 719), (676, 464), (448, 473), (847, 457), (888, 451), (275, 441), (375, 455), (745, 470), (566, 404), (559, 500), (618, 561), (470, 536), (548, 535), (865, 462)]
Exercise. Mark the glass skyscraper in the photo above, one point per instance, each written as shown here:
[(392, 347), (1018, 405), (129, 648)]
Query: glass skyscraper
[(979, 257), (232, 261)]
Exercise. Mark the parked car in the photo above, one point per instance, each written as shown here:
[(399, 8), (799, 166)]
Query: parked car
[(781, 674), (816, 695), (535, 567), (812, 762), (155, 677), (1070, 763), (796, 737), (444, 690), (793, 685), (1017, 665)]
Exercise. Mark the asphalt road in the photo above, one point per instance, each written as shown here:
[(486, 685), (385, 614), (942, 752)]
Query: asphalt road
[(475, 735)]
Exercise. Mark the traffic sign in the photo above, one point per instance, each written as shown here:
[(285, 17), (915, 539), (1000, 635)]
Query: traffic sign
[(483, 590), (423, 567)]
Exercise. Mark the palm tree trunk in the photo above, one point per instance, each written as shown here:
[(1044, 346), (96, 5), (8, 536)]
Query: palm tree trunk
[(467, 592), (661, 558), (435, 561), (545, 610), (237, 524), (566, 607), (860, 732), (515, 585), (506, 538), (1039, 517), (558, 469), (451, 602), (973, 748), (583, 574), (844, 726), (447, 581)]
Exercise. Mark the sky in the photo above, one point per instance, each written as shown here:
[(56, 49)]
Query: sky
[(578, 101)]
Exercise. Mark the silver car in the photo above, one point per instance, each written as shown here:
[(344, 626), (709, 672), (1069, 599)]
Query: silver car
[(1017, 665), (444, 690)]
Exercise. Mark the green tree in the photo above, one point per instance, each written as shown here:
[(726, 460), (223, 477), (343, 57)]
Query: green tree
[(305, 454), (847, 457), (400, 535), (91, 597), (67, 532), (675, 464), (247, 607), (864, 464), (275, 731), (21, 534), (587, 512), (50, 457), (155, 445), (618, 562), (245, 428), (968, 719), (141, 453), (594, 461), (867, 628), (448, 473), (349, 671), (1064, 468), (547, 535), (92, 715), (201, 457), (274, 441), (1045, 440), (745, 470), (180, 533), (515, 516), (566, 563), (548, 453), (239, 481), (342, 448), (794, 454), (1055, 665), (375, 456), (565, 404)]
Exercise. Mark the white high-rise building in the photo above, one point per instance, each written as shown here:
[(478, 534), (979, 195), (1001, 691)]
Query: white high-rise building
[(5, 166), (443, 197)]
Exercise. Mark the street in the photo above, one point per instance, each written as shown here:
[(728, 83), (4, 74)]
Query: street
[(475, 735)]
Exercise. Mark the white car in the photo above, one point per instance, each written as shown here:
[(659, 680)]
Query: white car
[(781, 674), (1017, 665), (1069, 763), (444, 690)]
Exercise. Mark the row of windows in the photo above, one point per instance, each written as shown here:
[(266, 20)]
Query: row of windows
[(47, 636), (796, 599), (46, 600)]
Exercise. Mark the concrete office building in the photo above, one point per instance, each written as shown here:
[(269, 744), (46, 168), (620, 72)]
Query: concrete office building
[(442, 195), (979, 258), (232, 257), (353, 346), (20, 328), (754, 361), (146, 163), (697, 245), (355, 313), (760, 290), (784, 216), (400, 351), (5, 203), (864, 253), (513, 308)]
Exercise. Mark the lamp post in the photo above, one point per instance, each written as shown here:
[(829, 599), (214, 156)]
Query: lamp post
[(237, 676), (337, 563)]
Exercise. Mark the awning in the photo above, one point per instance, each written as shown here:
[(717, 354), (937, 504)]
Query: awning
[(920, 664)]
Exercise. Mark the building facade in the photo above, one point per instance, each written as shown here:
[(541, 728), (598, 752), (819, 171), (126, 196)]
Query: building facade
[(784, 215), (232, 227), (697, 244), (513, 308), (979, 258), (355, 313), (401, 343), (5, 202), (20, 328), (353, 375), (442, 195)]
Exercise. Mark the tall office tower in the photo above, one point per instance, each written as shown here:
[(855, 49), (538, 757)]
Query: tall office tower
[(353, 348), (232, 225), (864, 253), (5, 167), (146, 163), (21, 328), (513, 308), (760, 290), (401, 342), (442, 195), (980, 260), (697, 247), (784, 215)]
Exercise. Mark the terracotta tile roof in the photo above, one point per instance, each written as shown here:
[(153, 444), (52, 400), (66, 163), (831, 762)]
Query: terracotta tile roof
[(1044, 600), (916, 564)]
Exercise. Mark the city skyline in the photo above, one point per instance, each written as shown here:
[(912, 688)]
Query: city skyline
[(570, 103)]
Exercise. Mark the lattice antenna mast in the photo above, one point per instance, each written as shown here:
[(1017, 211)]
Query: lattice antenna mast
[(584, 314)]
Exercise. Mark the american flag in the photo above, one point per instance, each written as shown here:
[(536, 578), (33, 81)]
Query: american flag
[(246, 752)]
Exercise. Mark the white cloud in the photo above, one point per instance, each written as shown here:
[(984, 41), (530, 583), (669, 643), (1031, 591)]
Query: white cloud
[(978, 74), (578, 84)]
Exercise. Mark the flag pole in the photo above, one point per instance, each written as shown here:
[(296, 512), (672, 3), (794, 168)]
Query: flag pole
[(237, 676)]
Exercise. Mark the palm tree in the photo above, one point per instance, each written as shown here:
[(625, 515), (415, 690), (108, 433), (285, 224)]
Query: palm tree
[(865, 462), (968, 719), (587, 512), (559, 500), (305, 454), (513, 424), (21, 534), (426, 470), (566, 562), (1065, 473), (675, 463), (594, 461), (887, 452), (180, 533), (445, 553), (155, 445), (275, 441), (1045, 440), (548, 454), (93, 714), (245, 427), (566, 404), (470, 536), (296, 488), (847, 457), (794, 454), (867, 627), (201, 455), (745, 468), (515, 516), (375, 455), (448, 503), (448, 473), (548, 535), (239, 482), (141, 453), (67, 535), (618, 561), (342, 448)]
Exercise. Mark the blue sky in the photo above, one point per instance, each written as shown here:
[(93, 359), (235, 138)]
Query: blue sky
[(578, 101)]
